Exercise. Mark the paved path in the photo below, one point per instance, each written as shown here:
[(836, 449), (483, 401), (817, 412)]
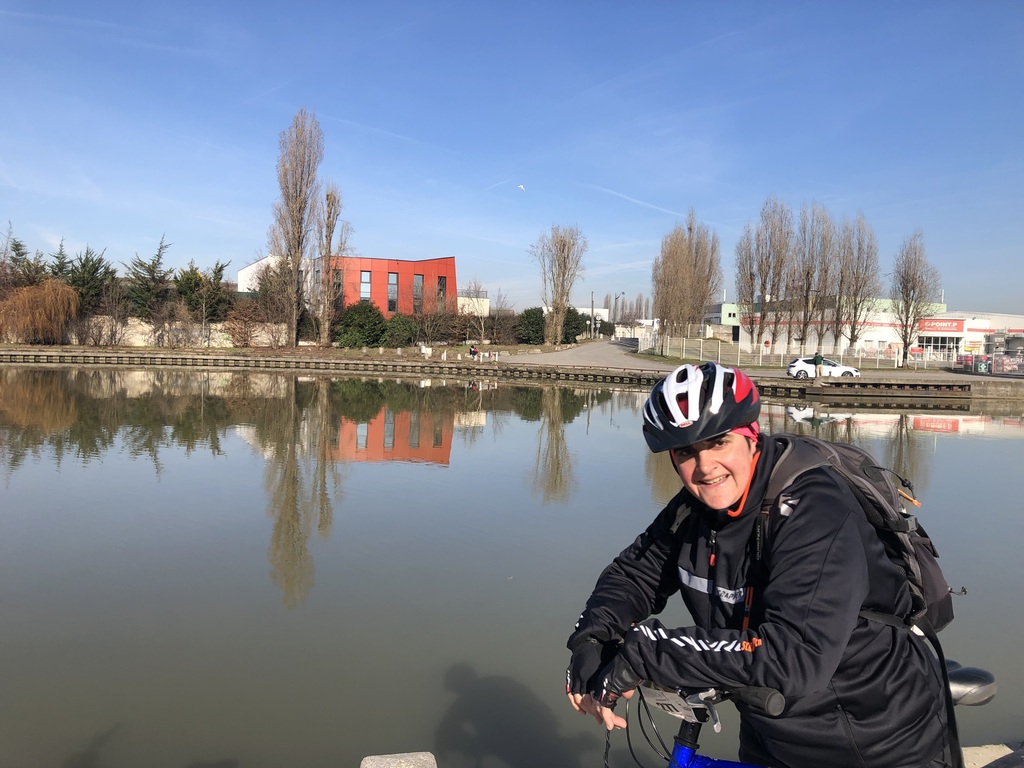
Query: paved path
[(614, 354), (597, 354)]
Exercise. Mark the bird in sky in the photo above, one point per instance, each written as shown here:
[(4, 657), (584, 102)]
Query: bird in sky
[(522, 187)]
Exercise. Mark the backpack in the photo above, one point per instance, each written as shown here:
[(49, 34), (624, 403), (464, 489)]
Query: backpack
[(906, 543)]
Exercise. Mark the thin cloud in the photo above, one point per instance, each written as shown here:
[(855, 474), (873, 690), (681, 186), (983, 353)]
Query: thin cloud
[(633, 200), (261, 95), (129, 36), (497, 184), (389, 134)]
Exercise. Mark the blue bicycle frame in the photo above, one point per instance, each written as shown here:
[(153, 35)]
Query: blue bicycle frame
[(685, 755), (968, 686), (694, 710)]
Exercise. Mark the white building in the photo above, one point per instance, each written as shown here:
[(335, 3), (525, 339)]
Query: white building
[(248, 276), (942, 335)]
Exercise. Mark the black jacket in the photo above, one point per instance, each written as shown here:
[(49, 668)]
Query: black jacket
[(858, 693)]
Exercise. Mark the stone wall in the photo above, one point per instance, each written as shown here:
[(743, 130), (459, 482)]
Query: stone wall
[(139, 333)]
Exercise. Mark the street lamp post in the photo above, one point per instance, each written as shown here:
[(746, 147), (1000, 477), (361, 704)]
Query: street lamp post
[(615, 306)]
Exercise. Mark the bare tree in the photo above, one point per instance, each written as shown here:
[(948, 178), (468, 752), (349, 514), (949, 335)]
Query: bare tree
[(243, 322), (472, 310), (746, 285), (503, 319), (774, 242), (274, 300), (858, 262), (7, 241), (811, 290), (914, 289), (173, 326), (560, 258), (685, 277), (291, 237), (329, 289), (763, 257)]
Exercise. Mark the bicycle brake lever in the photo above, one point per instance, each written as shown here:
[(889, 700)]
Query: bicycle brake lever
[(707, 699)]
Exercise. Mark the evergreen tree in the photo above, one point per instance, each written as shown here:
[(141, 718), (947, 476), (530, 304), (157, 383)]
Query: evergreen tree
[(401, 331), (60, 263), (90, 274), (203, 292), (26, 269), (574, 325), (148, 283), (531, 326), (361, 325)]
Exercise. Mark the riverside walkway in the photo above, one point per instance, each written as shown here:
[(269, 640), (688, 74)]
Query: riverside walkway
[(598, 362)]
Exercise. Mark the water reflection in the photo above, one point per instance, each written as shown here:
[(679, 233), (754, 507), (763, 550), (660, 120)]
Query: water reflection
[(553, 464), (499, 718), (306, 428), (260, 570), (901, 440)]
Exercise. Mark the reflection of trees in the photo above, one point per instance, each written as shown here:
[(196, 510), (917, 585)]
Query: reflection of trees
[(301, 480), (80, 414), (834, 430), (904, 453), (903, 450), (662, 476), (553, 464)]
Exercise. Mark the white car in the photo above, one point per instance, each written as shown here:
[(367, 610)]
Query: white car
[(803, 368), (810, 416)]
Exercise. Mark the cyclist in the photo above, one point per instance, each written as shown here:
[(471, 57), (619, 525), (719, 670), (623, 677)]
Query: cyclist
[(858, 693)]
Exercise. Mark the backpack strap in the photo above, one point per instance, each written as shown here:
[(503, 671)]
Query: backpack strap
[(796, 458), (922, 624)]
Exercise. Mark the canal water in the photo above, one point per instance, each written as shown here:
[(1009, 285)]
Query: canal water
[(242, 570)]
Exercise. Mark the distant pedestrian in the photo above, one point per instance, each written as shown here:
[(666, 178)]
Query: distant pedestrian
[(473, 352), (819, 365)]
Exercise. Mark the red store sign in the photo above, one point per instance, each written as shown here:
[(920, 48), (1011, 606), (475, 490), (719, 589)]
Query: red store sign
[(937, 325)]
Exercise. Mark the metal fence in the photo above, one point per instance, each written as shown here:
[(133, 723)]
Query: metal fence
[(731, 354)]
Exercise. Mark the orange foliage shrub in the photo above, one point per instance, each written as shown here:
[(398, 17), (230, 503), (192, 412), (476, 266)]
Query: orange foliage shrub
[(39, 314)]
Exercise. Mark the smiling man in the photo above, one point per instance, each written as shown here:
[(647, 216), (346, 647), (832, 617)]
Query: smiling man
[(776, 605)]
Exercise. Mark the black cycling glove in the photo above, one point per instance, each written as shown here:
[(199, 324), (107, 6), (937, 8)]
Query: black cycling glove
[(588, 659), (614, 680)]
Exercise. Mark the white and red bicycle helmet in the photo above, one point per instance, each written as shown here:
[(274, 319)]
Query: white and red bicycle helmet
[(695, 403)]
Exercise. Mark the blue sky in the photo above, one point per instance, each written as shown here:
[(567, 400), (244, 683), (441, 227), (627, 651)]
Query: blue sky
[(125, 122)]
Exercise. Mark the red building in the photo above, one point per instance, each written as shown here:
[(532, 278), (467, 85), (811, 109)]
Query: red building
[(417, 436), (397, 285)]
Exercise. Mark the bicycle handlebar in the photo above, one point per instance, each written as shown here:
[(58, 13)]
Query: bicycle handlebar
[(681, 703), (767, 700)]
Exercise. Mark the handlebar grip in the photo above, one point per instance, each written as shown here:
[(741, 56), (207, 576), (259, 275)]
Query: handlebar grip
[(767, 700)]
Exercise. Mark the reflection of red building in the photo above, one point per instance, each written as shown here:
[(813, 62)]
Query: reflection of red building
[(396, 285), (397, 436)]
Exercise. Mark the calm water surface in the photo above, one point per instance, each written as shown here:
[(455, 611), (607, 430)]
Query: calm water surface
[(210, 570)]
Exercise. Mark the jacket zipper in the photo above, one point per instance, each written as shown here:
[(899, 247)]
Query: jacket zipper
[(712, 556)]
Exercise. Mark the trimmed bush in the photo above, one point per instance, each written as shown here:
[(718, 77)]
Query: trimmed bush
[(361, 325)]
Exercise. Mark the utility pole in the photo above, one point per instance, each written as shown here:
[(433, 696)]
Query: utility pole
[(593, 320)]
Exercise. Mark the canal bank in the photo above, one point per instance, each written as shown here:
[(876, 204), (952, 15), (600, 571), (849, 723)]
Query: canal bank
[(606, 364)]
